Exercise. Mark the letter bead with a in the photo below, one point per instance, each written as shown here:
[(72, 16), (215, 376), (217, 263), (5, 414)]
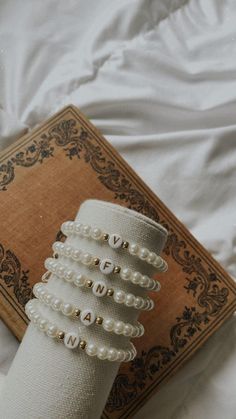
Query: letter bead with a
[(87, 317)]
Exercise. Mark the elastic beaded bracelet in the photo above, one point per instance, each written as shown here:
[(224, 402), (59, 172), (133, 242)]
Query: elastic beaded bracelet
[(87, 316), (106, 266), (99, 288), (115, 241), (72, 340)]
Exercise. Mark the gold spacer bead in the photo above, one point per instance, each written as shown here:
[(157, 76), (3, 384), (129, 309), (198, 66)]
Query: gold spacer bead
[(89, 283), (125, 245), (116, 269), (76, 312), (110, 292), (60, 335), (105, 237), (99, 320), (82, 344), (96, 261)]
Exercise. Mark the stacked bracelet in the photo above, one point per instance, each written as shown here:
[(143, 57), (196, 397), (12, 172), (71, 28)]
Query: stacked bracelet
[(72, 340), (87, 316), (99, 288), (106, 266), (115, 241)]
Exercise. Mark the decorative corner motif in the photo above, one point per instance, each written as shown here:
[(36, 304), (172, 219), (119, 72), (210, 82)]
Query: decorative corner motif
[(13, 276)]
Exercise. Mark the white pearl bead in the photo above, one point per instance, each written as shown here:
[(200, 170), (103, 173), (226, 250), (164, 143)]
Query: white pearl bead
[(70, 226), (138, 302), (125, 273), (56, 304), (152, 257), (91, 349), (151, 305), (60, 270), (135, 332), (158, 262), (102, 352), (67, 250), (96, 233), (144, 281), (112, 354), (136, 277), (52, 330), (120, 355), (71, 340), (79, 280), (119, 327), (129, 300), (35, 317), (87, 317), (69, 275), (86, 230), (64, 228), (86, 258), (75, 254), (143, 253), (108, 325), (42, 324), (77, 227), (128, 329), (133, 249), (67, 309), (115, 241), (99, 289), (119, 296), (48, 298), (106, 266)]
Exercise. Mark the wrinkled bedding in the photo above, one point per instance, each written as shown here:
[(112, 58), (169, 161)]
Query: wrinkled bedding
[(158, 78)]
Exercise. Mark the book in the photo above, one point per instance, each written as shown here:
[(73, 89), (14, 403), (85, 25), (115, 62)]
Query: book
[(44, 176)]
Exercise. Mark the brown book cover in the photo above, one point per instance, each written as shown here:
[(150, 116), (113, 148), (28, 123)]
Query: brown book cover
[(44, 176)]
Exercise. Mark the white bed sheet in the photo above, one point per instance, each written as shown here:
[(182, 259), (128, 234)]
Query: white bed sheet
[(158, 78)]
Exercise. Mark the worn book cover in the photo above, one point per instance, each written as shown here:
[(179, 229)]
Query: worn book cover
[(44, 176)]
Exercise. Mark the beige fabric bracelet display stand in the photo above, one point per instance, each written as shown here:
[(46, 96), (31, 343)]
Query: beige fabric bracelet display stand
[(48, 380)]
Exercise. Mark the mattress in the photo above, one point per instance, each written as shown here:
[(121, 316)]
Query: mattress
[(158, 78)]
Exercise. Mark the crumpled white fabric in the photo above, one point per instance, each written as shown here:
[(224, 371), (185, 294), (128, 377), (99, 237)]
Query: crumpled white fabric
[(158, 79)]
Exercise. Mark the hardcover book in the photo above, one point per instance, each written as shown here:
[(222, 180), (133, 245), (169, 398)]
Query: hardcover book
[(44, 177)]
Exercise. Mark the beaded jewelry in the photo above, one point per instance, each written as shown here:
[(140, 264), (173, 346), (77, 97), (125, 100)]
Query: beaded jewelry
[(106, 266), (72, 340), (99, 288), (115, 241), (87, 316)]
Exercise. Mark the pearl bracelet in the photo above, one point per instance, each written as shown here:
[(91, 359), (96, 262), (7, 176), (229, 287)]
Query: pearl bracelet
[(72, 340), (106, 266), (99, 288), (115, 241), (87, 316)]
